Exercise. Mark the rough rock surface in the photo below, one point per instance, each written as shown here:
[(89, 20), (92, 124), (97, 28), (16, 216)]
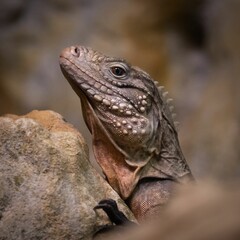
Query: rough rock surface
[(48, 188)]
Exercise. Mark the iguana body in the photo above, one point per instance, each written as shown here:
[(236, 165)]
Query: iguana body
[(134, 138)]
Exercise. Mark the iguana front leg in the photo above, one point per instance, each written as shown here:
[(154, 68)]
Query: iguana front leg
[(134, 137), (149, 197)]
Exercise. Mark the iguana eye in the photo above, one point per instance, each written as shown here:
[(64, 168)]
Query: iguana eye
[(118, 72)]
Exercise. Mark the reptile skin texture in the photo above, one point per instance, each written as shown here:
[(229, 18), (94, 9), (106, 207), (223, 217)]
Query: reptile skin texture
[(149, 198), (135, 140)]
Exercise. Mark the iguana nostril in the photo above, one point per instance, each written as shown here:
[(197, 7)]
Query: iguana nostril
[(76, 51)]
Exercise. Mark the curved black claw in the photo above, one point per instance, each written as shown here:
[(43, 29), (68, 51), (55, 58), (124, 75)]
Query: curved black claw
[(109, 206)]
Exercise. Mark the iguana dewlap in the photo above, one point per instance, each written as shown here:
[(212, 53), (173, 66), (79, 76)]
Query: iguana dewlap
[(134, 137)]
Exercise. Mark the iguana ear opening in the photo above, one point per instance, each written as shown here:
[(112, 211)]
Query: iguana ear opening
[(122, 177)]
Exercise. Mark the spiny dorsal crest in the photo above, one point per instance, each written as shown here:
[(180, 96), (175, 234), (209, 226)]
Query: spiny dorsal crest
[(168, 103)]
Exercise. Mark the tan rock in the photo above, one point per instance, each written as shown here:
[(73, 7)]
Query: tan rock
[(48, 188)]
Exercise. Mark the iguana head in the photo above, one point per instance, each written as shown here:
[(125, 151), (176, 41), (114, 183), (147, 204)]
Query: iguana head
[(122, 108)]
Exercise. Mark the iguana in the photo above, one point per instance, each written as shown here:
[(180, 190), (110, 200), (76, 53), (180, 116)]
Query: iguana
[(134, 137)]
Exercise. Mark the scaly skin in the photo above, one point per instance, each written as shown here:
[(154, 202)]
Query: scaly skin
[(134, 138)]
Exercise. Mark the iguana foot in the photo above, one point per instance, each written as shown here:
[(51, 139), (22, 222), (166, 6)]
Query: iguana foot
[(109, 206)]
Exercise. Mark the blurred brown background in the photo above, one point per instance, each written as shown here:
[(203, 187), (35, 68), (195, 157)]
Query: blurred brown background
[(190, 46)]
